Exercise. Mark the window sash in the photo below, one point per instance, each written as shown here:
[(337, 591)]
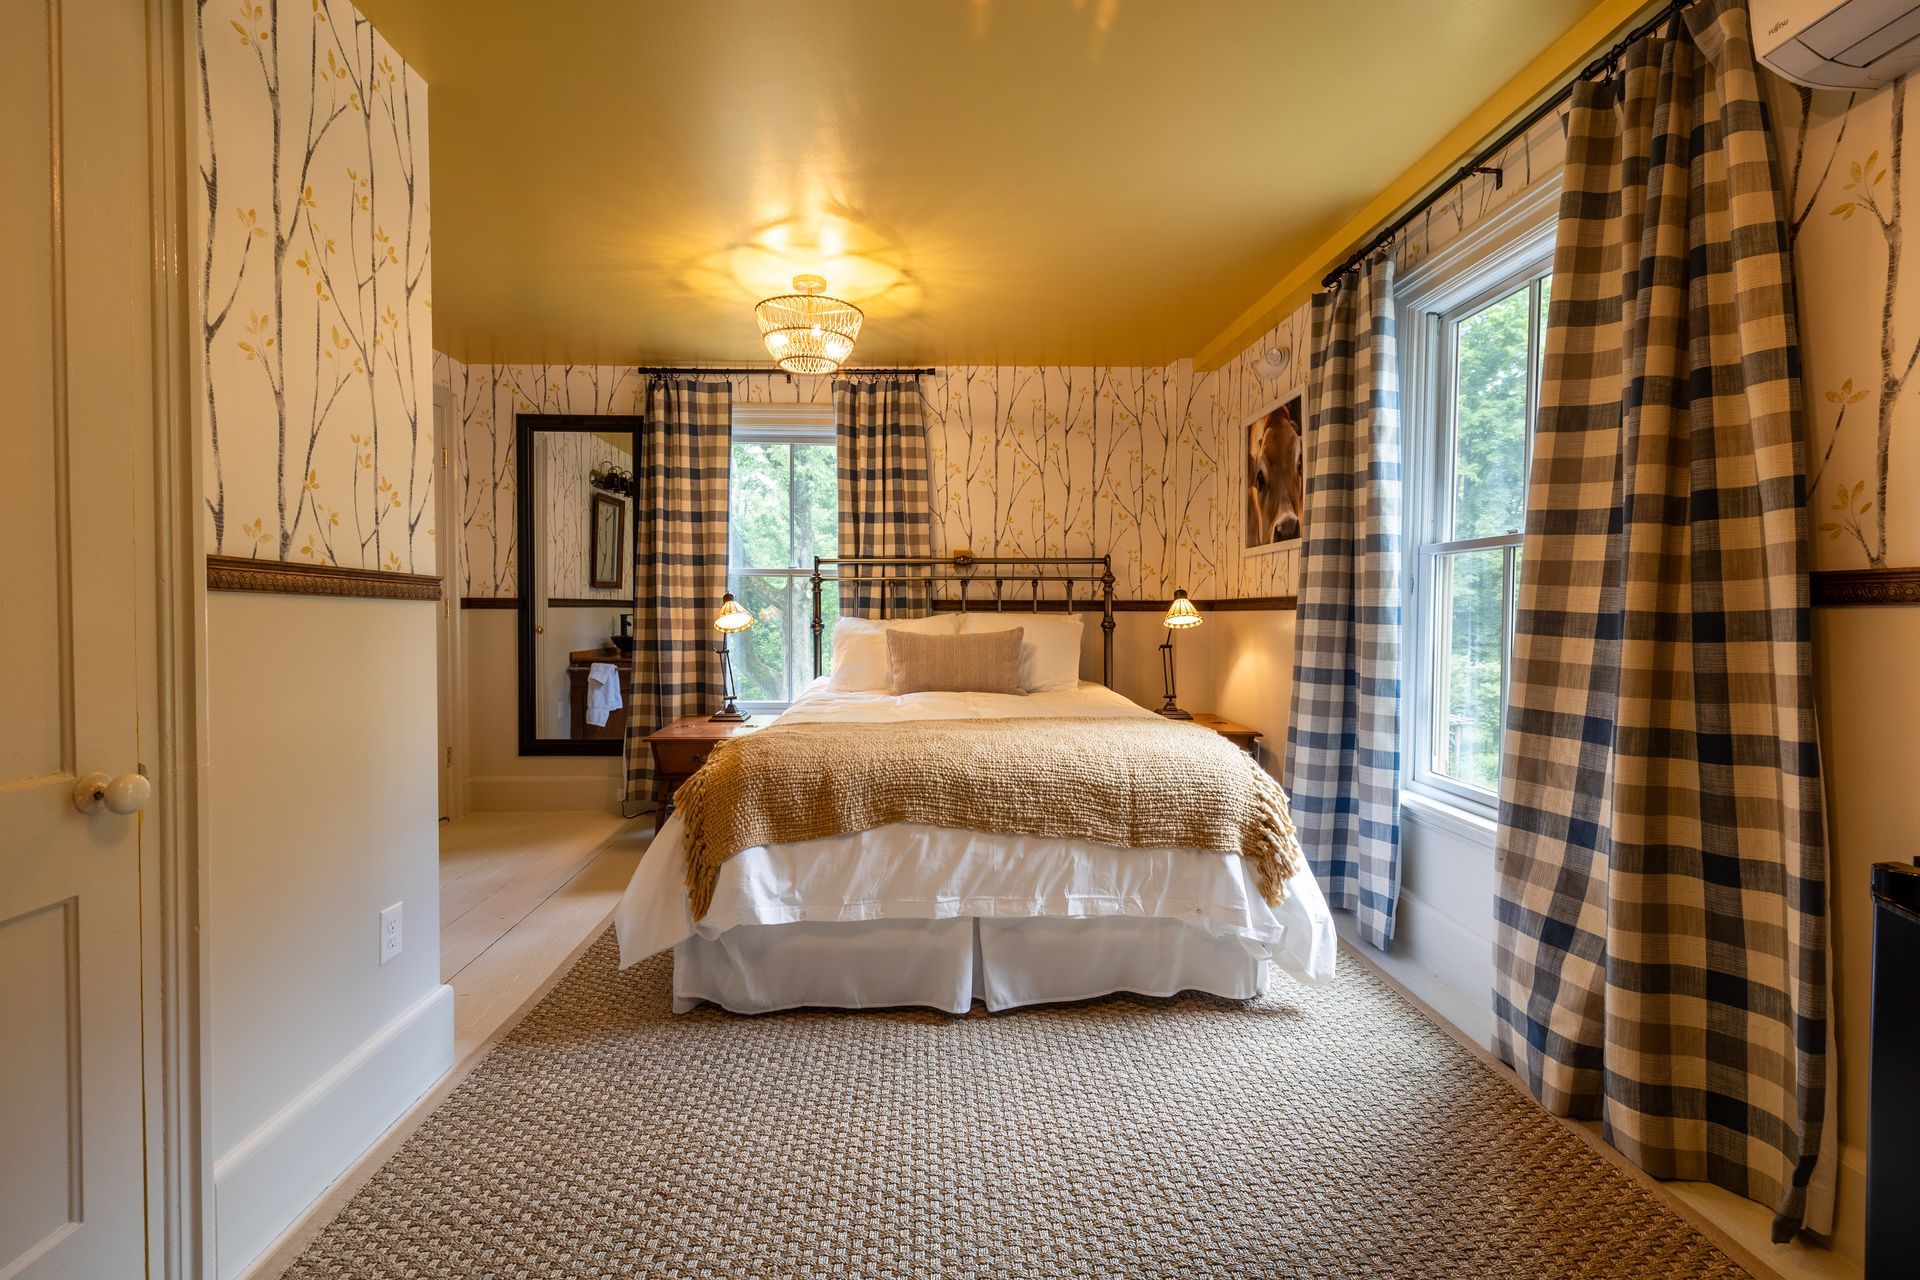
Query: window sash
[(1436, 358), (1436, 560)]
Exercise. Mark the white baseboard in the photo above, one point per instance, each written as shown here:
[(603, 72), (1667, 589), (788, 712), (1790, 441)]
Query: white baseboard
[(1850, 1204), (568, 792), (1440, 960), (270, 1177)]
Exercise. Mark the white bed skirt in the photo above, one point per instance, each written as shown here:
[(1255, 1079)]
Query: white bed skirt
[(947, 964)]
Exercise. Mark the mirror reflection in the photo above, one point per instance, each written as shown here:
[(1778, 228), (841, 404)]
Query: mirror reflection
[(577, 583)]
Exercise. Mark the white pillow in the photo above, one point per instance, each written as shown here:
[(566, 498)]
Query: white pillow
[(1049, 652), (860, 662)]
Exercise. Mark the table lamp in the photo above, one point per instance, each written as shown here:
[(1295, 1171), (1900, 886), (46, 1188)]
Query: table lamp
[(731, 618), (1180, 615)]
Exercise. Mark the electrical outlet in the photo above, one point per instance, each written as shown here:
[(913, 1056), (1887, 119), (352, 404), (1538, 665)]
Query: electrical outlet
[(390, 933)]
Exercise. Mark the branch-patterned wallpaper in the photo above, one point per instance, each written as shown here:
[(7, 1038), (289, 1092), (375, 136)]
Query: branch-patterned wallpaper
[(314, 250), (1849, 185), (1144, 464), (1843, 161), (1149, 464)]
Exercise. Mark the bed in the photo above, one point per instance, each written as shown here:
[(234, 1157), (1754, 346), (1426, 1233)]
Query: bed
[(938, 916)]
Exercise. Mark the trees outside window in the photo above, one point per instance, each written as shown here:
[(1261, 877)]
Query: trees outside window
[(783, 510), (1486, 387)]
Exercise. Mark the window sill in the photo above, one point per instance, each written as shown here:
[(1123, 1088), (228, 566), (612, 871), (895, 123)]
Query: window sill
[(1453, 819)]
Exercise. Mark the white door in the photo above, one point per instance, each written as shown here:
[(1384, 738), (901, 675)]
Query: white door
[(76, 366)]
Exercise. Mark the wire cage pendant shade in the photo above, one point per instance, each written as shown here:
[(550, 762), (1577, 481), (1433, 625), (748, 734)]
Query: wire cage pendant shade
[(807, 331)]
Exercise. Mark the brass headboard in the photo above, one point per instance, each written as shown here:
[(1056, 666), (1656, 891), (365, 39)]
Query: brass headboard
[(948, 582)]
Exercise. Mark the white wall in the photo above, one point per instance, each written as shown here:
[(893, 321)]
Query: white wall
[(1249, 675), (322, 791), (1443, 929)]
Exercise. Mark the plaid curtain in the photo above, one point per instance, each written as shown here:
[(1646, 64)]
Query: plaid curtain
[(886, 504), (1661, 870), (679, 562), (1343, 743)]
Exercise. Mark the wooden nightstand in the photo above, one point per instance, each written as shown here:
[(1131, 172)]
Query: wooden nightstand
[(679, 749), (1238, 734)]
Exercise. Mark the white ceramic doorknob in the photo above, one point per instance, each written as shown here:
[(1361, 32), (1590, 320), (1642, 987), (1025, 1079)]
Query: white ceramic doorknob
[(127, 793)]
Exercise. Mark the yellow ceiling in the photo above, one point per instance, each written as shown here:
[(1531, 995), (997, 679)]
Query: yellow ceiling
[(995, 181)]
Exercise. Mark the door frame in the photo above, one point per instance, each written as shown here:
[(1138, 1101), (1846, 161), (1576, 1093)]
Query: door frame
[(173, 866), (448, 552)]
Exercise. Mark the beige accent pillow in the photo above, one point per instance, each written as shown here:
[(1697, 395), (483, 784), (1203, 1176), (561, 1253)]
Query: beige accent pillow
[(955, 664)]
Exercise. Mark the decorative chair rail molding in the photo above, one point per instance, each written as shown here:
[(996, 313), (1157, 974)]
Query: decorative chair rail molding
[(1866, 586), (1249, 603), (1277, 603), (281, 577), (1018, 605)]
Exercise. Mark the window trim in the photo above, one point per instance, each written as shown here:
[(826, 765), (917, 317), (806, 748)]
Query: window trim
[(1507, 250), (781, 424)]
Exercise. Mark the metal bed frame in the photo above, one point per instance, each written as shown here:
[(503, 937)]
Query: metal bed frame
[(1035, 575)]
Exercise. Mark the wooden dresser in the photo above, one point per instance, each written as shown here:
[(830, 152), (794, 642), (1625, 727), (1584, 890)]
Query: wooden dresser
[(579, 664), (679, 749)]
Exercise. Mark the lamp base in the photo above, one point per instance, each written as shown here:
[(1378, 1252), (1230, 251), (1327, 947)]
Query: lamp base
[(1172, 712), (728, 714)]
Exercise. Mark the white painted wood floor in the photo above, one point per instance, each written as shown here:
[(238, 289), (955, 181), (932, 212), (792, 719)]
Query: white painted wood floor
[(518, 893)]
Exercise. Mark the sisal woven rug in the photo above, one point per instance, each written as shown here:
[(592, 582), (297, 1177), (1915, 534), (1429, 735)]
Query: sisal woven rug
[(1311, 1133)]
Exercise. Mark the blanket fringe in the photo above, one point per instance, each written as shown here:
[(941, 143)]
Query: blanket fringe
[(703, 869), (1276, 853)]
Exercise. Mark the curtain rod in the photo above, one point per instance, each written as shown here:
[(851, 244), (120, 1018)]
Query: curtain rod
[(1479, 164), (743, 370)]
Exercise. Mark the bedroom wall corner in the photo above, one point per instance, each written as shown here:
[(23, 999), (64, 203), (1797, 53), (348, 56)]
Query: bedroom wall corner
[(1249, 674), (322, 712)]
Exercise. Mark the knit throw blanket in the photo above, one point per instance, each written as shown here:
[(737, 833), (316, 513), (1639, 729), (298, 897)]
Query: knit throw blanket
[(1127, 782)]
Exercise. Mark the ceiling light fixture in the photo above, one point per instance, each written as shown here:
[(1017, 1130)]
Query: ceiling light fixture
[(807, 331)]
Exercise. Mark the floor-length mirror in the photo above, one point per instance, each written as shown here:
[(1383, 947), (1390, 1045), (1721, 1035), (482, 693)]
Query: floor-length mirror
[(575, 495)]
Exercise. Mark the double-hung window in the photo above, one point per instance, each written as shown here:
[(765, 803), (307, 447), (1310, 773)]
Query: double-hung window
[(1477, 329), (783, 509)]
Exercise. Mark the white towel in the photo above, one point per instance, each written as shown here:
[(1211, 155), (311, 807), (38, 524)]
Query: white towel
[(603, 692)]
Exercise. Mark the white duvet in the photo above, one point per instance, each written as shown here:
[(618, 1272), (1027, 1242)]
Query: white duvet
[(913, 872)]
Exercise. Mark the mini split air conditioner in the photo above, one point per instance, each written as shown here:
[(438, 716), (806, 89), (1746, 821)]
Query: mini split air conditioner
[(1838, 44)]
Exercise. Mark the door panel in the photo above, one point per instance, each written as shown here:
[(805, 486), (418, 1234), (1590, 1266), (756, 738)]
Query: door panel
[(30, 705), (77, 360), (40, 1113)]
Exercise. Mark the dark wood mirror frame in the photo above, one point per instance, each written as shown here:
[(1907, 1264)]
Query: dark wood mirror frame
[(595, 544), (525, 427)]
